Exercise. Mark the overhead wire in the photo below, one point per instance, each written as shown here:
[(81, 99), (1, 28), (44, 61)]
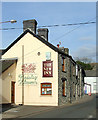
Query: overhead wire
[(71, 24), (73, 29), (57, 38)]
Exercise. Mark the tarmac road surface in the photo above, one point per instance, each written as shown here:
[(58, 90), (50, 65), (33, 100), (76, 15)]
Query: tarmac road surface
[(84, 109)]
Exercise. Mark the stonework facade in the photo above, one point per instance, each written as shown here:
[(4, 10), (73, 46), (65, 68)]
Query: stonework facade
[(74, 83)]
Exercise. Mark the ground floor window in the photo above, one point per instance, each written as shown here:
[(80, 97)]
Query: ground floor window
[(73, 89), (78, 90), (46, 88), (64, 88)]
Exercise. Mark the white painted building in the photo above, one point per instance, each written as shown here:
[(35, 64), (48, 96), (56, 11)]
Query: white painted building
[(91, 82)]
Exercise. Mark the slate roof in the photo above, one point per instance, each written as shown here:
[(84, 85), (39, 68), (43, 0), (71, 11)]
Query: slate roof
[(91, 73), (6, 63), (39, 38), (1, 52)]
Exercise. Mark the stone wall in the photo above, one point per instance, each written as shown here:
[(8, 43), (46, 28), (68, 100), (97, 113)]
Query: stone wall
[(74, 85), (63, 99)]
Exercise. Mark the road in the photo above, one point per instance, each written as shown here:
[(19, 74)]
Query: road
[(83, 109), (80, 110)]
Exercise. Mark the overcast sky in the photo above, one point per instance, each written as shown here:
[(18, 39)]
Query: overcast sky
[(81, 40)]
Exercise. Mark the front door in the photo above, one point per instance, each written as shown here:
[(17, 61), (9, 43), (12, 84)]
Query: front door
[(12, 92)]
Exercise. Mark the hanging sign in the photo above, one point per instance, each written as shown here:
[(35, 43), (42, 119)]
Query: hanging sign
[(48, 55), (47, 68)]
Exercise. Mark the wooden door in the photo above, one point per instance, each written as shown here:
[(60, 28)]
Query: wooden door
[(12, 92)]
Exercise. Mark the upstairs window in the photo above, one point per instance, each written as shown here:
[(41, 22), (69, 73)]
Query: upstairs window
[(48, 69), (63, 64), (76, 70), (46, 88), (64, 86)]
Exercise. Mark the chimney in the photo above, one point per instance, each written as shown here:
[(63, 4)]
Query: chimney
[(58, 45), (43, 32), (31, 24), (66, 50), (61, 48)]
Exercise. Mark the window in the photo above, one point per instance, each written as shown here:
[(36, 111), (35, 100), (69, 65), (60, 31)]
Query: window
[(78, 91), (76, 70), (73, 85), (48, 69), (46, 88), (94, 86), (63, 64), (64, 88)]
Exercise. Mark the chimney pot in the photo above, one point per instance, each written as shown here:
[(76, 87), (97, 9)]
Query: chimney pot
[(58, 45)]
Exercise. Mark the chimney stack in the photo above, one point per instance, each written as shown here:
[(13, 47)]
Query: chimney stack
[(30, 24), (43, 32), (66, 50)]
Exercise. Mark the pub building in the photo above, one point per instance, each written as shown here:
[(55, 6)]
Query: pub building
[(35, 72)]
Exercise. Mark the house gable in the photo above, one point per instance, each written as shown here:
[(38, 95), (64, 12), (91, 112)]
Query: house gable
[(38, 37)]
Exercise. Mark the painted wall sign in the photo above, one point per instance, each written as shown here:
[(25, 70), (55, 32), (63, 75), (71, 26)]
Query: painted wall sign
[(29, 68), (29, 76), (29, 79)]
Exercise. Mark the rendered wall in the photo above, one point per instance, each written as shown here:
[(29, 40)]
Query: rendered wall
[(8, 76), (32, 92)]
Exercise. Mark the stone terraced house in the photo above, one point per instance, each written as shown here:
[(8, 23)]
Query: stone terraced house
[(34, 72)]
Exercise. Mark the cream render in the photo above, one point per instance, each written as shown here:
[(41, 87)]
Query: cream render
[(8, 76), (32, 93)]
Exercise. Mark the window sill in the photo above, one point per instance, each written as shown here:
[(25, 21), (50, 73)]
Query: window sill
[(64, 71), (46, 95), (47, 76), (64, 95)]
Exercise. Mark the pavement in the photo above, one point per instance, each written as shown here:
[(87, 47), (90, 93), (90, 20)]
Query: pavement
[(17, 111)]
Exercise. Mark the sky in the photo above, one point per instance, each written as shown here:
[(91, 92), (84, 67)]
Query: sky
[(80, 39)]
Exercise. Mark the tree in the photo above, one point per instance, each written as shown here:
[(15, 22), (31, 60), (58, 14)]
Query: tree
[(84, 59), (86, 66)]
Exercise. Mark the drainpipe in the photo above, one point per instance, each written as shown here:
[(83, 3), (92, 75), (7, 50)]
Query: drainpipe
[(80, 81), (70, 91), (76, 92), (22, 75)]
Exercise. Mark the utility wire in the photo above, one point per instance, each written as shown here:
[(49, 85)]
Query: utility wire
[(53, 25), (73, 29), (67, 24), (57, 38), (54, 40)]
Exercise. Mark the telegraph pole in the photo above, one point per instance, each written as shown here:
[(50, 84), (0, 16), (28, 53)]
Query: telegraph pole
[(22, 75)]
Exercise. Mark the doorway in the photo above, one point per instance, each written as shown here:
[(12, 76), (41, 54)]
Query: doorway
[(12, 92)]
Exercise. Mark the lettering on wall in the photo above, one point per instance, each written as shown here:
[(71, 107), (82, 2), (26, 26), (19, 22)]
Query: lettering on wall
[(29, 76)]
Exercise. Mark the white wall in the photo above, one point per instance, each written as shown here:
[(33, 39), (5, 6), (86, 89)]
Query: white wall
[(32, 93), (93, 82), (6, 83)]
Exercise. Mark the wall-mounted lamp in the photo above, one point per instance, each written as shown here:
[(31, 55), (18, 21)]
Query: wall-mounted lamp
[(9, 74)]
